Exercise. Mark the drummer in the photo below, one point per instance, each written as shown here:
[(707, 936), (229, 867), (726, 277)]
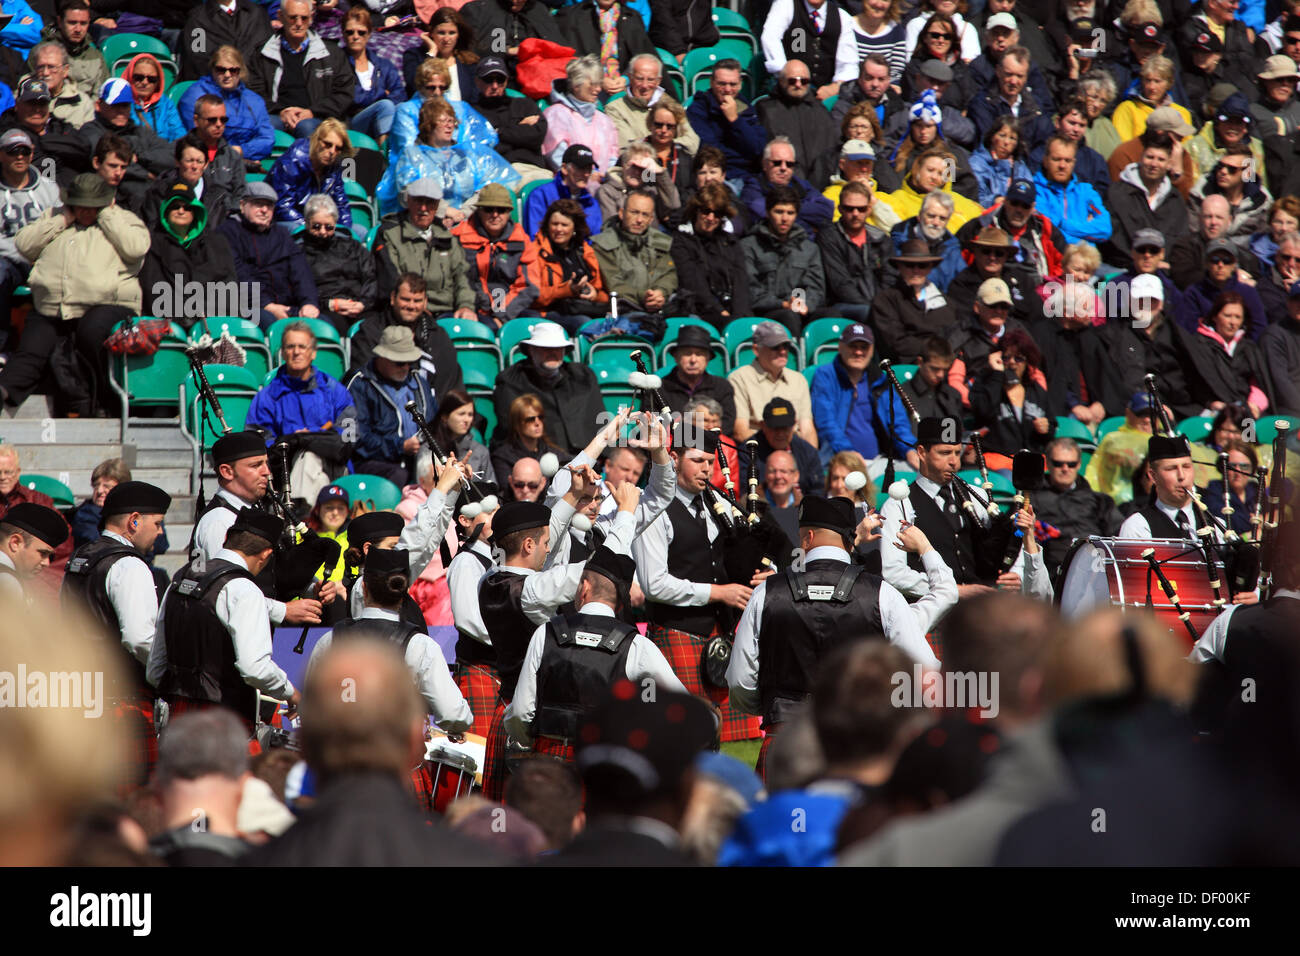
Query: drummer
[(1172, 514)]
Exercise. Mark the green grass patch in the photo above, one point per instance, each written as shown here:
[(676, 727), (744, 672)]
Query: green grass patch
[(746, 751)]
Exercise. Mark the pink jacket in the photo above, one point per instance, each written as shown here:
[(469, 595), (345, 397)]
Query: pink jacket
[(412, 497), (566, 125)]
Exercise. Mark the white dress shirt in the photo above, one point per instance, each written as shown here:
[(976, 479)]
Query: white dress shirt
[(210, 539), (1212, 643), (463, 577), (429, 668), (133, 596), (1034, 579), (1137, 526), (644, 661), (241, 608), (900, 625), (421, 536), (778, 21), (650, 549)]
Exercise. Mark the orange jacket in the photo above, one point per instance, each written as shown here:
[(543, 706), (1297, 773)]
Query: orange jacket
[(479, 251), (544, 272)]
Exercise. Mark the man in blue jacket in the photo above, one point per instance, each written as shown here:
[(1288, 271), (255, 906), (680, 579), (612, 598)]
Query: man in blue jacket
[(387, 440), (721, 119), (268, 256), (815, 210), (1069, 203), (311, 411), (1010, 93), (569, 183), (843, 408)]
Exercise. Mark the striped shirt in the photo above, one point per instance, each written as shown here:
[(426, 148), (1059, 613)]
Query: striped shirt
[(890, 42)]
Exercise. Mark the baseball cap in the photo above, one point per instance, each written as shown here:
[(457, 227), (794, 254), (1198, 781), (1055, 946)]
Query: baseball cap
[(1148, 237), (32, 89), (495, 196), (771, 334), (1139, 402), (1207, 42), (491, 66), (994, 292), (1148, 33), (260, 192), (1004, 20), (332, 493), (579, 155), (857, 332), (1235, 107), (857, 149), (1166, 119), (1022, 191), (1222, 246), (16, 137), (1147, 287), (115, 92), (779, 413), (937, 70)]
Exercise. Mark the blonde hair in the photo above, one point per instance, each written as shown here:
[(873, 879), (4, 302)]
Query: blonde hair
[(431, 67), (851, 461), (1160, 67), (1083, 250), (331, 127), (1141, 11)]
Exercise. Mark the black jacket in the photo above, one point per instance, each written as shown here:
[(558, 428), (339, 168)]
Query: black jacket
[(153, 154), (852, 271), (681, 25), (1166, 354), (1280, 344), (327, 74), (367, 819), (518, 142), (1228, 378), (805, 121), (973, 346), (1069, 354), (572, 402), (1130, 211), (604, 844), (711, 275), (1027, 306), (216, 200), (61, 145), (430, 337), (580, 25), (1008, 434), (491, 21), (903, 324), (678, 395), (343, 268), (206, 259), (208, 28), (1075, 513), (959, 93)]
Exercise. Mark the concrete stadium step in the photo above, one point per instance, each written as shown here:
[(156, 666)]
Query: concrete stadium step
[(174, 481), (60, 431)]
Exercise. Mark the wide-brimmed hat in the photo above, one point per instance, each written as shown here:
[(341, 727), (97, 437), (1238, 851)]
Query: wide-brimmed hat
[(915, 250), (397, 344), (692, 337), (88, 190), (991, 237), (548, 335)]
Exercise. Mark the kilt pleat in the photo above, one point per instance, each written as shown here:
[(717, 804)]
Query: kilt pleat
[(684, 652), (479, 684)]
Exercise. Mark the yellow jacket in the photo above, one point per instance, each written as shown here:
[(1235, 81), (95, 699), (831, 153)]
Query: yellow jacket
[(906, 203)]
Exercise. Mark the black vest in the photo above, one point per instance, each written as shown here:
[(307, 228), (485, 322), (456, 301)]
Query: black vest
[(266, 578), (200, 651), (1259, 628), (507, 625), (85, 584), (817, 50), (957, 550), (399, 632), (805, 616), (1163, 526), (469, 650), (693, 557), (584, 655)]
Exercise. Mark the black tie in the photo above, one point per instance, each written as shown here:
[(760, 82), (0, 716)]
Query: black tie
[(950, 509), (697, 509), (1185, 526)]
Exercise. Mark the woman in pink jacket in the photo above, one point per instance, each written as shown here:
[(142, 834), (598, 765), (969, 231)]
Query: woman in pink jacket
[(573, 118)]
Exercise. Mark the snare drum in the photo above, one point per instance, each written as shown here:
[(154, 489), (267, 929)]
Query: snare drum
[(452, 775), (1111, 572)]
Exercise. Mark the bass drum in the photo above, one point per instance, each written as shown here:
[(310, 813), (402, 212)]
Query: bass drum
[(1112, 572)]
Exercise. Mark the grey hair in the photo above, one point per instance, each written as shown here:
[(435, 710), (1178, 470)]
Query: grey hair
[(203, 743), (423, 464), (583, 71), (941, 198), (711, 405), (646, 57), (1104, 84), (48, 45), (633, 151), (774, 141), (317, 203), (1292, 237), (1067, 443), (299, 326)]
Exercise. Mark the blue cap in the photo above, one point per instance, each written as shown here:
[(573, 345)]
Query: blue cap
[(1140, 402), (732, 773), (115, 92), (1022, 191), (332, 493)]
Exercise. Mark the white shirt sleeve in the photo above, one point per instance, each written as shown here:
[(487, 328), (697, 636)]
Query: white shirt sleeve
[(241, 608), (547, 590), (522, 708), (658, 496), (970, 38), (646, 662), (422, 536), (131, 591), (561, 516), (901, 628), (562, 481), (779, 18), (846, 52), (1211, 644), (650, 549), (742, 669), (318, 651), (1035, 581), (893, 559), (441, 695), (463, 577), (1135, 526), (942, 594)]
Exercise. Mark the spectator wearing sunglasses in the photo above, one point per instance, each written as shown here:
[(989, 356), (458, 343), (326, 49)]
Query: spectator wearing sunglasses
[(1236, 178), (24, 195), (152, 107), (433, 81), (247, 126), (379, 85), (1222, 274), (990, 250), (779, 164), (820, 33), (1282, 270), (225, 167), (853, 254), (794, 112), (527, 483), (525, 438), (1009, 399), (1068, 507)]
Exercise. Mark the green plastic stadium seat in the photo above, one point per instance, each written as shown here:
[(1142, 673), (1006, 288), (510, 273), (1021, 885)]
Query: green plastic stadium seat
[(246, 332), (1196, 428), (123, 46), (522, 197), (1002, 485), (329, 344), (380, 492), (1265, 431), (57, 490), (484, 362), (362, 141), (176, 90), (904, 372), (514, 332), (283, 141), (614, 388), (234, 386), (1108, 425), (151, 380), (1067, 427), (822, 336)]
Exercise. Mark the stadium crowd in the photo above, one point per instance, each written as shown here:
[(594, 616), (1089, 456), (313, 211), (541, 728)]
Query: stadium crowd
[(1026, 208)]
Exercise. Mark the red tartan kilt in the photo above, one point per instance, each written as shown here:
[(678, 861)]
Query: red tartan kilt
[(134, 717), (184, 705), (769, 734), (561, 748), (683, 651), (494, 774), (479, 685)]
